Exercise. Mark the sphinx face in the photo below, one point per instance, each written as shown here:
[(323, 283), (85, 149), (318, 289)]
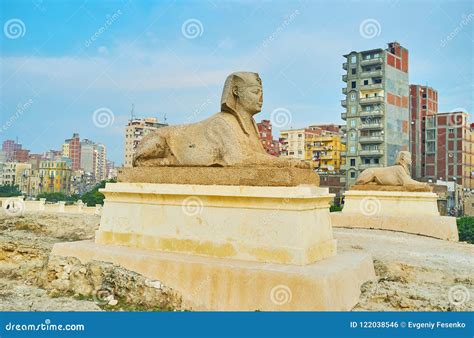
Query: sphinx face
[(250, 98)]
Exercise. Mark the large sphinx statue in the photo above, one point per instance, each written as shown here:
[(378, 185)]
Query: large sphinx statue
[(396, 175), (228, 138)]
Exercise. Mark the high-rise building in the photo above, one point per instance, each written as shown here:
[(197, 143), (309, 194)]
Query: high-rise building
[(135, 130), (14, 151), (376, 106), (73, 151), (100, 162), (88, 156), (423, 103), (448, 154), (270, 145)]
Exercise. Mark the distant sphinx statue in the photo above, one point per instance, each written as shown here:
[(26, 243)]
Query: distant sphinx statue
[(228, 138), (396, 175)]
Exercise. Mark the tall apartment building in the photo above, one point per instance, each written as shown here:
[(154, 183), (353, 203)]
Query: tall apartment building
[(376, 105), (100, 162), (135, 130), (88, 156), (449, 149), (423, 103), (270, 145), (73, 150)]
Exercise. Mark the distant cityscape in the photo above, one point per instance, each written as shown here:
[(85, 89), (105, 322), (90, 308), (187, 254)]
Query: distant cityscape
[(383, 115)]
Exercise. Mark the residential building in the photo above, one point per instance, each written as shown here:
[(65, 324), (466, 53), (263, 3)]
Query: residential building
[(324, 150), (55, 176), (73, 149), (376, 108), (293, 142), (135, 130), (100, 171), (88, 156), (13, 173), (448, 154), (423, 102), (65, 150), (9, 146), (270, 145)]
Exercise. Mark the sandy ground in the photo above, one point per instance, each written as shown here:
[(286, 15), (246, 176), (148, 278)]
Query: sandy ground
[(414, 273)]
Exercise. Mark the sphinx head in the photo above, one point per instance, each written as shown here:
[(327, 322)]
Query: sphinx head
[(242, 92), (403, 158)]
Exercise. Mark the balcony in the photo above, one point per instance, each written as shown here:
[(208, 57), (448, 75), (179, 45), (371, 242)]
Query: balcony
[(363, 166), (375, 152), (344, 66), (372, 86), (371, 139), (372, 73), (372, 113), (344, 91), (344, 78), (373, 61), (344, 116), (374, 125), (371, 100), (343, 103)]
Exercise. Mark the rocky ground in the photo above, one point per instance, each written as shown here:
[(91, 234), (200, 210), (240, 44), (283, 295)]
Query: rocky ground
[(413, 272)]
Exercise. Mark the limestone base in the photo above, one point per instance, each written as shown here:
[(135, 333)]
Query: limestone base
[(411, 212), (288, 225), (219, 284)]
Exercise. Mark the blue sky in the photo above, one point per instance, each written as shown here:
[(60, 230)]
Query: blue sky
[(68, 59)]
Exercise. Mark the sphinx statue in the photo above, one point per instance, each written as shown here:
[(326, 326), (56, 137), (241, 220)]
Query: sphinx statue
[(228, 138), (396, 175)]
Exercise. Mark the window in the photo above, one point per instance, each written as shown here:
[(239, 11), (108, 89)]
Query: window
[(367, 160), (353, 162), (353, 59), (353, 84), (353, 96), (366, 82), (300, 135), (368, 108), (376, 55), (423, 106), (353, 123), (424, 96), (353, 71), (353, 174), (353, 110), (353, 136), (377, 80), (451, 130), (376, 160), (353, 149)]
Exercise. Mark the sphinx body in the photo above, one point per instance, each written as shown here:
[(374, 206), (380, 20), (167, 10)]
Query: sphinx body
[(228, 138), (396, 175)]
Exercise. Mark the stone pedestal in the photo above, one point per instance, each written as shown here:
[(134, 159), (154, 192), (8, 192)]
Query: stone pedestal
[(412, 212), (229, 247), (289, 225)]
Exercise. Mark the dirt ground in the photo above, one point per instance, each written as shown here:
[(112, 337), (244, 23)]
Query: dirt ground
[(414, 273)]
